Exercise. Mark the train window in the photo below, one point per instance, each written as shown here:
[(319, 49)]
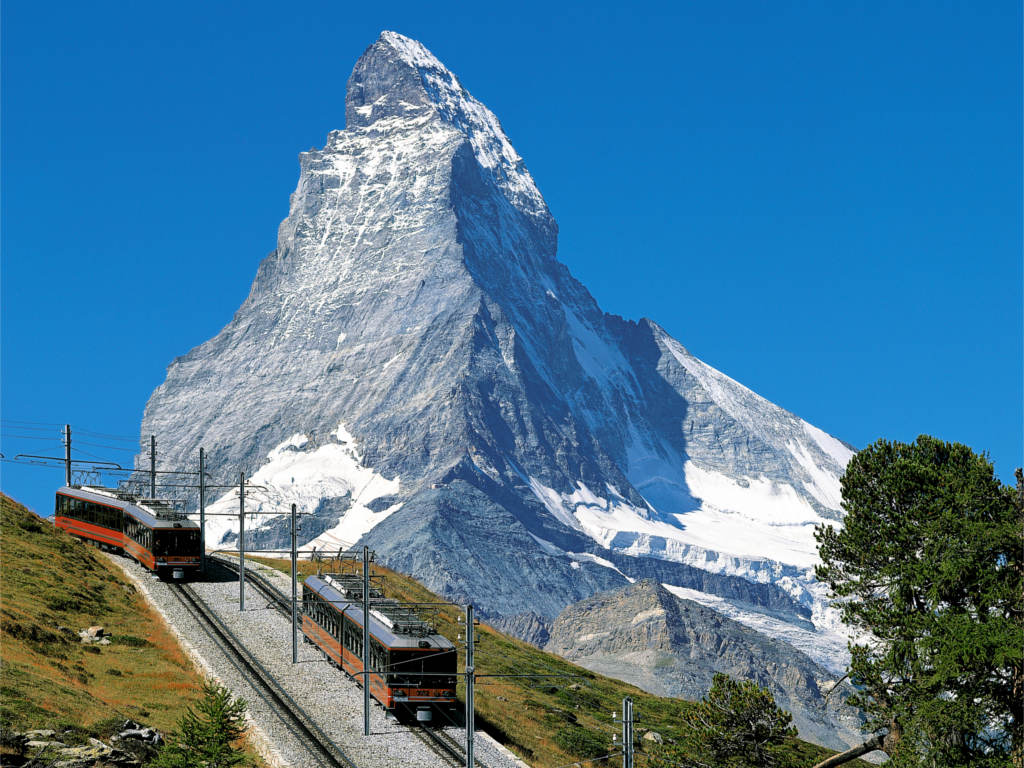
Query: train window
[(346, 631), (176, 542), (440, 663), (357, 641), (378, 657)]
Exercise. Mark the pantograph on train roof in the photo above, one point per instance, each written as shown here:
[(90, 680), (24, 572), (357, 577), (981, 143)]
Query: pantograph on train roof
[(400, 619)]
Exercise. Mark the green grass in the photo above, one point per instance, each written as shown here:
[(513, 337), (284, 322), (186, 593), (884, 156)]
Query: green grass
[(51, 586), (548, 722)]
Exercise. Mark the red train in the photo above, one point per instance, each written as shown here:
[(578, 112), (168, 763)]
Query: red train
[(161, 539), (412, 668)]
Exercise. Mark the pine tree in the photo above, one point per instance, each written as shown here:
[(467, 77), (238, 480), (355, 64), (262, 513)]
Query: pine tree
[(206, 733), (736, 725), (927, 568)]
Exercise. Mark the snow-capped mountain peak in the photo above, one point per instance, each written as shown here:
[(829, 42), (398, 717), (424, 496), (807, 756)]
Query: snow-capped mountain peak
[(517, 445), (399, 76)]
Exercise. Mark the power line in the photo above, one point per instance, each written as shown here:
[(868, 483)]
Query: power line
[(34, 423), (108, 447), (26, 428), (123, 438)]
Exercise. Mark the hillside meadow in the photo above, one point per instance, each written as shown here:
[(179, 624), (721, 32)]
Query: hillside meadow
[(51, 586)]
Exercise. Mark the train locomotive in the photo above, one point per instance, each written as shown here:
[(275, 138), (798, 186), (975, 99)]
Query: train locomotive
[(412, 668), (149, 530)]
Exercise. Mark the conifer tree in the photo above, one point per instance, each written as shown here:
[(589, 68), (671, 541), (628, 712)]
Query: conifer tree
[(927, 569), (206, 733), (736, 725)]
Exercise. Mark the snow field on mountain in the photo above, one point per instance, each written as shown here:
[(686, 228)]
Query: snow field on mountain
[(761, 531), (295, 475), (825, 648), (579, 557), (761, 520)]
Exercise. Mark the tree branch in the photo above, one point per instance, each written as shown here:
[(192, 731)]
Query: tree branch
[(875, 742)]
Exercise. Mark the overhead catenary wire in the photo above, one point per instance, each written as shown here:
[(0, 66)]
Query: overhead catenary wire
[(107, 436), (32, 424), (86, 453), (79, 441), (42, 426), (8, 436)]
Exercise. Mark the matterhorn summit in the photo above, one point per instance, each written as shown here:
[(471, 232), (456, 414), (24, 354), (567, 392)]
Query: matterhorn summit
[(415, 368)]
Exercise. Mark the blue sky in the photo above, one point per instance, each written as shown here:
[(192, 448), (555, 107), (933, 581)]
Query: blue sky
[(822, 200)]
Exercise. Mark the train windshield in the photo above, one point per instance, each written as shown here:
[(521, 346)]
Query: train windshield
[(425, 668), (176, 543)]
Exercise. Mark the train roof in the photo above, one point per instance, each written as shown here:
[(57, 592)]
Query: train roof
[(391, 636), (155, 513)]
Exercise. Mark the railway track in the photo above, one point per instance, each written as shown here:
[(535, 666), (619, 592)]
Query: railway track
[(440, 742), (305, 730), (262, 583), (445, 745)]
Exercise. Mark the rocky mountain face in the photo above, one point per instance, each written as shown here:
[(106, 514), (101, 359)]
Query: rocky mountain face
[(646, 636), (415, 369)]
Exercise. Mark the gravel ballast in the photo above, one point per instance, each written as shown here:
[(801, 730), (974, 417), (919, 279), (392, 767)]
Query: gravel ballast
[(327, 695)]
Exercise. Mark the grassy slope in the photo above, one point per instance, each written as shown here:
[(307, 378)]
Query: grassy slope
[(527, 714), (51, 586)]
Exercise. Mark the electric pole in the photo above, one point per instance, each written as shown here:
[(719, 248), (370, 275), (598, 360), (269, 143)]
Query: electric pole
[(241, 542), (202, 510), (295, 625), (470, 681), (627, 732), (366, 641), (152, 466), (67, 454)]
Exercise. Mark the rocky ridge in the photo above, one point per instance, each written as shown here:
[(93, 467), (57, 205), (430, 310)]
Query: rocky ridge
[(672, 647)]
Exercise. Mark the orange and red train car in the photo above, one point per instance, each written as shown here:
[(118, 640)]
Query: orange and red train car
[(412, 668), (165, 542)]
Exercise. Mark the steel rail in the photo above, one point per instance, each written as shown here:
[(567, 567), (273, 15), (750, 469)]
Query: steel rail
[(445, 747), (262, 584), (295, 719), (436, 739)]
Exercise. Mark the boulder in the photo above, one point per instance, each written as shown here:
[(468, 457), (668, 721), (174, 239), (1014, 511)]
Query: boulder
[(41, 733), (653, 737), (89, 755), (131, 730), (44, 743), (95, 635)]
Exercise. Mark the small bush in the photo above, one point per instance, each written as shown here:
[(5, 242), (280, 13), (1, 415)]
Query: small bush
[(131, 641), (582, 743), (583, 697), (62, 602), (31, 525)]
